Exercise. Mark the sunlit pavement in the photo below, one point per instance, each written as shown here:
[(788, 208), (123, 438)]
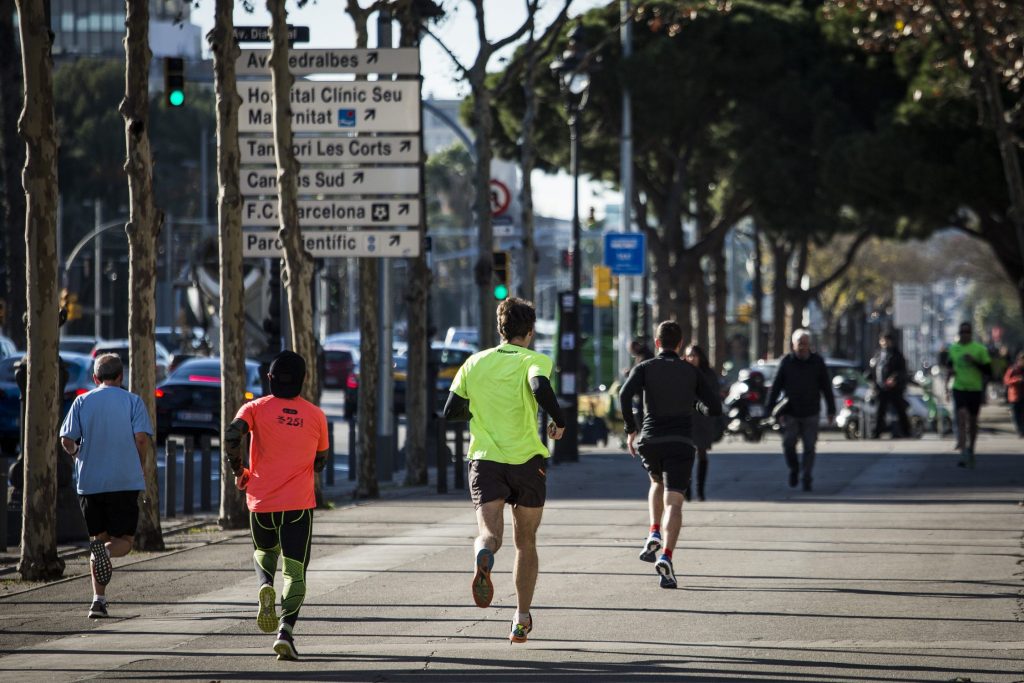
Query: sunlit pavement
[(897, 566)]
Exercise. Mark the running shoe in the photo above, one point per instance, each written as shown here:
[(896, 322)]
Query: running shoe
[(651, 548), (98, 610), (483, 589), (520, 631), (266, 618), (101, 567), (664, 569), (284, 646)]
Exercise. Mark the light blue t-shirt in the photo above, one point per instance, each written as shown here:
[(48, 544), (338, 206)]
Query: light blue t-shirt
[(107, 420)]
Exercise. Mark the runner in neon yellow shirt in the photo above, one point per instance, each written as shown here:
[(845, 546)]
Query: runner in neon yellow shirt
[(498, 391), (969, 362)]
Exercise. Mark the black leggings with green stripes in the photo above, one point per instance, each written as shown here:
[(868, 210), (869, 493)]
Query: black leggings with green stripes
[(287, 534)]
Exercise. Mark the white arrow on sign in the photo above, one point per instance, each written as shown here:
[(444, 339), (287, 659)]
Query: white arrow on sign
[(402, 60), (337, 243), (337, 181), (334, 212), (335, 107), (398, 149)]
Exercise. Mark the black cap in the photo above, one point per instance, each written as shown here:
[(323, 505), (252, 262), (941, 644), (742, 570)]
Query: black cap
[(287, 373)]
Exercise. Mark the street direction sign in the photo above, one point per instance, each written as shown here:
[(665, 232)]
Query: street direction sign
[(335, 107), (321, 149), (908, 305), (368, 180), (625, 252), (337, 212), (261, 34), (402, 60), (337, 243)]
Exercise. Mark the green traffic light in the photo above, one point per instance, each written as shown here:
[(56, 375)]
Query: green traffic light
[(176, 98), (500, 292)]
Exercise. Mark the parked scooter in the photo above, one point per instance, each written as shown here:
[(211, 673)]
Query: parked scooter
[(856, 418), (744, 406), (939, 418)]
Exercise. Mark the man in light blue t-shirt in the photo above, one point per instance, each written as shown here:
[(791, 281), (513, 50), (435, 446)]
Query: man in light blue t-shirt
[(107, 431)]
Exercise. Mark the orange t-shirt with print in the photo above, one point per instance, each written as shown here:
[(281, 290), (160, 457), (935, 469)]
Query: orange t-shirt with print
[(286, 435)]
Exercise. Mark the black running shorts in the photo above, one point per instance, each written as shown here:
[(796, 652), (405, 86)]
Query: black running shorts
[(670, 463), (524, 484), (968, 400), (115, 513)]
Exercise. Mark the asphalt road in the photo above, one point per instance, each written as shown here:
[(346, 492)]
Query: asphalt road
[(899, 566)]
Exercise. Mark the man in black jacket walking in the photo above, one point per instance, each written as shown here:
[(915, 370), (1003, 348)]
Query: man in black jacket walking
[(802, 376), (889, 376)]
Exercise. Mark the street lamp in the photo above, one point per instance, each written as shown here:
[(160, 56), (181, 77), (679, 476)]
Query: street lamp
[(573, 80)]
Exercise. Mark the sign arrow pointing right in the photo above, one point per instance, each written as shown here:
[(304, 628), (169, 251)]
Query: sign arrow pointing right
[(370, 114), (372, 57), (393, 240), (403, 209), (406, 145), (358, 177)]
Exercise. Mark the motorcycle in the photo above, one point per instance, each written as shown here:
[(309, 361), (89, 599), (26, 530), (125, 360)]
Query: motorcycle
[(744, 407)]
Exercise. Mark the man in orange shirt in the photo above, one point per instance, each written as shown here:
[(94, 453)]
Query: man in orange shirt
[(289, 444)]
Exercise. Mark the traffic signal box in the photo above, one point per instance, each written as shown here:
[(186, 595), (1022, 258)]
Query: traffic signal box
[(500, 268), (174, 81), (69, 302), (602, 286)]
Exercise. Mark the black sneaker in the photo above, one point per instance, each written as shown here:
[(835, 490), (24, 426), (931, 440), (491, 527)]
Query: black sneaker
[(807, 484), (101, 567), (284, 646), (668, 576), (651, 548), (98, 610), (794, 478)]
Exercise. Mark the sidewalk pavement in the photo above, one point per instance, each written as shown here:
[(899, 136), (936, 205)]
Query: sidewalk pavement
[(898, 566)]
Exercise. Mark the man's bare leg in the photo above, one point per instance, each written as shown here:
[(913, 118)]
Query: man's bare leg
[(490, 520), (655, 501), (672, 521), (525, 522)]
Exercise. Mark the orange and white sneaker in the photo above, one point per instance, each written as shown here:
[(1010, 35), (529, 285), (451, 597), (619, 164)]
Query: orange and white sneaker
[(483, 589), (520, 631)]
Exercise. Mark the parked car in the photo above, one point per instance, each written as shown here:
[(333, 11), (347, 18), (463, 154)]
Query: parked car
[(468, 336), (7, 347), (79, 368), (399, 369), (188, 401), (120, 347), (78, 343), (836, 367), (339, 362), (449, 359)]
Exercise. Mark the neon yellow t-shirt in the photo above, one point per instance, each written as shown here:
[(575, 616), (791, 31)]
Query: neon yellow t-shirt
[(966, 375), (497, 384)]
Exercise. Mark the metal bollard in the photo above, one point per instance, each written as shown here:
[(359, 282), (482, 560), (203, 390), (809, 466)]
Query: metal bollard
[(330, 453), (352, 449), (460, 478), (442, 455), (170, 477), (188, 475), (205, 473)]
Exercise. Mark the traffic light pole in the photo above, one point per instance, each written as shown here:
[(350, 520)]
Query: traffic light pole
[(97, 298)]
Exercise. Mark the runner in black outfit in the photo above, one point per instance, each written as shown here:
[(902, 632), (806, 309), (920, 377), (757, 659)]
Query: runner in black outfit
[(671, 387)]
